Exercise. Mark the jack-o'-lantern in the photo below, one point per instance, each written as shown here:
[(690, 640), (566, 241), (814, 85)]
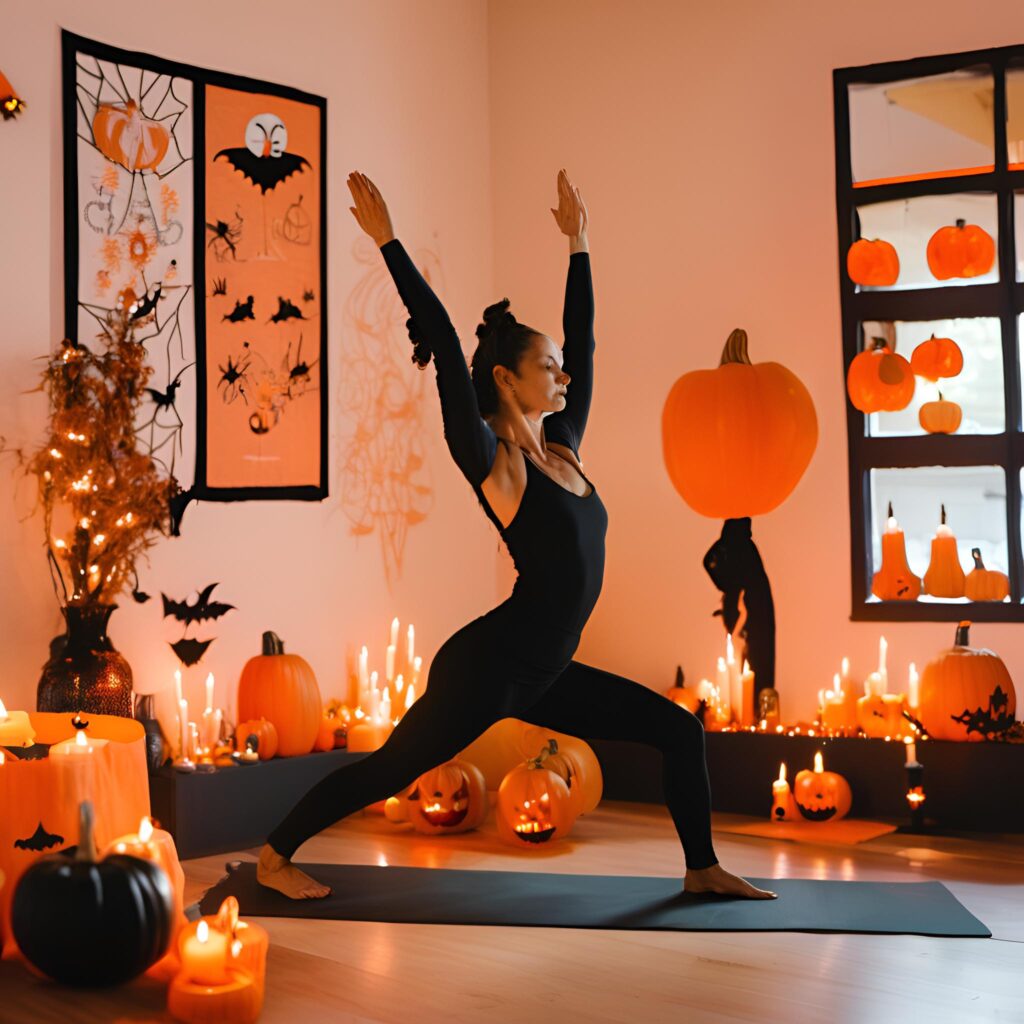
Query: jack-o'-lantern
[(679, 694), (821, 795), (535, 738), (447, 799), (872, 262), (737, 439), (534, 805), (944, 576), (960, 250), (282, 688), (880, 380), (966, 693), (265, 733), (937, 357), (129, 138), (564, 762), (941, 417), (985, 584)]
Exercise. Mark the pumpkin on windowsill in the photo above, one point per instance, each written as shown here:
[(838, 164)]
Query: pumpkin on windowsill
[(960, 250), (941, 417), (880, 380), (873, 263), (534, 805), (985, 584), (937, 357), (448, 799), (894, 581), (944, 576), (967, 693)]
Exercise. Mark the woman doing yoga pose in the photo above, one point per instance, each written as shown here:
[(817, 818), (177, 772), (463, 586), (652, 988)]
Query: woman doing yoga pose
[(514, 428)]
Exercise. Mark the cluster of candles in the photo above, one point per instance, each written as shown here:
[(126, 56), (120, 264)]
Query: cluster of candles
[(373, 717), (197, 740), (730, 699), (16, 731)]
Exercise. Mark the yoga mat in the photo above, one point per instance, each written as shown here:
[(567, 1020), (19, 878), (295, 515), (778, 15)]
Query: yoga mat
[(363, 892), (844, 832)]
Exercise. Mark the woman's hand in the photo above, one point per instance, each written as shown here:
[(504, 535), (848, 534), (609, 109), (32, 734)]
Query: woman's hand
[(370, 211), (571, 215)]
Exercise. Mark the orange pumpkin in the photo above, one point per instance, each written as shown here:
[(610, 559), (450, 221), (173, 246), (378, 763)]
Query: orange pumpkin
[(937, 357), (680, 695), (879, 380), (535, 738), (966, 693), (282, 688), (960, 250), (941, 417), (534, 805), (265, 733), (985, 584), (447, 799), (569, 770), (736, 440), (331, 734), (129, 138), (821, 795), (872, 262), (944, 576), (894, 581)]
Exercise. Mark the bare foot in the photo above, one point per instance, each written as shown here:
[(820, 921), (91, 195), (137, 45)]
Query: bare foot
[(277, 872), (717, 879)]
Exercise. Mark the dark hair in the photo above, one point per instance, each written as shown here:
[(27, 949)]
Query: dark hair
[(502, 342)]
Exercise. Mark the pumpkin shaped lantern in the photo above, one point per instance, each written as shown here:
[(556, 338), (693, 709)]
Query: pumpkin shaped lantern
[(941, 417), (960, 250), (937, 357), (821, 795), (63, 906), (985, 584), (447, 799), (944, 577), (966, 693), (282, 688), (534, 804), (872, 263), (737, 439), (879, 380)]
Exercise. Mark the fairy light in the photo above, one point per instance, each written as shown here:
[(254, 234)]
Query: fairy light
[(56, 454), (84, 522), (99, 539), (59, 544)]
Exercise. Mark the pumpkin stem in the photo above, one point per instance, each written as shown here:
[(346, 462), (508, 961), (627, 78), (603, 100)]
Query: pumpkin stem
[(680, 678), (961, 223), (86, 840), (889, 513), (877, 343), (976, 555), (272, 643), (735, 350), (942, 517), (962, 635)]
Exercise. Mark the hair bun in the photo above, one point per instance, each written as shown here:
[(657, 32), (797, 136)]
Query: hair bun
[(496, 317)]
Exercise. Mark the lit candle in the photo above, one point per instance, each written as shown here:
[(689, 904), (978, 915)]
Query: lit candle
[(399, 683), (410, 696), (15, 728), (82, 745), (389, 662), (411, 640), (746, 708), (417, 664), (394, 632), (204, 956), (177, 687), (209, 692), (844, 673), (783, 806), (911, 751), (913, 687), (883, 673), (385, 705), (722, 682)]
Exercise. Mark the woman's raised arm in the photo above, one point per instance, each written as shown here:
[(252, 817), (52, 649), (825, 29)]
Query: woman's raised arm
[(470, 440), (568, 425)]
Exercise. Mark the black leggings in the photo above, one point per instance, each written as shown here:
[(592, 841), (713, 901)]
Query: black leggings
[(475, 680)]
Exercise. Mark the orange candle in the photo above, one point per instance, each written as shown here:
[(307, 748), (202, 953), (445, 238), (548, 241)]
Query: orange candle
[(237, 1001), (248, 942), (783, 806), (204, 956), (894, 581)]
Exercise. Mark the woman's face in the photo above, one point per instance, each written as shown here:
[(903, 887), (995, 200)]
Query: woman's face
[(540, 382)]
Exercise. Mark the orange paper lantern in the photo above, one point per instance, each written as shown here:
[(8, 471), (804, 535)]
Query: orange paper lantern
[(937, 357), (960, 250), (872, 262), (879, 380)]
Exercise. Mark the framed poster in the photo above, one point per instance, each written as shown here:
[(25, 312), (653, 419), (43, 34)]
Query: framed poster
[(198, 199)]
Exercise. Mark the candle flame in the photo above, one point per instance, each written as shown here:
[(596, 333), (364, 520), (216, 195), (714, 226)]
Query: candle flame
[(236, 948), (410, 696), (3, 710), (782, 772), (2, 758), (819, 763), (80, 739), (203, 932), (145, 829), (845, 667)]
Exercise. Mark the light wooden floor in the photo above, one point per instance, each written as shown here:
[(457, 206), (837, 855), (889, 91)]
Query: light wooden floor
[(327, 971)]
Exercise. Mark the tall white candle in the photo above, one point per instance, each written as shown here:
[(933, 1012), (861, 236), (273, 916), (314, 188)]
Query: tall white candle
[(394, 631), (913, 687), (183, 727), (410, 696), (389, 663), (883, 674), (177, 687), (417, 664), (411, 638), (209, 692), (844, 672), (911, 752), (399, 683), (385, 705)]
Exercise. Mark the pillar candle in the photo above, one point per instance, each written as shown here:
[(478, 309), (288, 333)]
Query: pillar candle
[(394, 632), (746, 708), (783, 806), (389, 663), (913, 688), (204, 956), (15, 728), (177, 688)]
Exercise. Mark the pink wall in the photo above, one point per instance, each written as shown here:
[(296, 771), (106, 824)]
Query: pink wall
[(664, 113)]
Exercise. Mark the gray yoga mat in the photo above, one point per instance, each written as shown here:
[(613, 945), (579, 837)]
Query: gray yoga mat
[(363, 892)]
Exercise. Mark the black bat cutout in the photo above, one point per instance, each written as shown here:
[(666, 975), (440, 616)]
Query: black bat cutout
[(36, 752), (39, 840), (267, 172), (286, 310), (190, 652), (242, 311), (203, 609)]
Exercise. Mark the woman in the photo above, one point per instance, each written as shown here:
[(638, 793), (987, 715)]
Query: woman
[(514, 428)]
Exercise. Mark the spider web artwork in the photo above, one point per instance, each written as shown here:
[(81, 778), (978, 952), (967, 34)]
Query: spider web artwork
[(386, 485), (133, 198)]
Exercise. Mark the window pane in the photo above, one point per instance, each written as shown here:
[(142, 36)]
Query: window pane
[(977, 389), (908, 225), (922, 126), (1015, 115), (975, 500)]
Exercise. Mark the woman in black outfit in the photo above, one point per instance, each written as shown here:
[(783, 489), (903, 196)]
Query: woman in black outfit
[(514, 428)]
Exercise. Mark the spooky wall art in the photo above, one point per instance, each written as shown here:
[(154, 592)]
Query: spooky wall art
[(199, 197)]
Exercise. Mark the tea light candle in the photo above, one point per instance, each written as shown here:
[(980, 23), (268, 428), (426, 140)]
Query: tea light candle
[(204, 956), (81, 746), (15, 728)]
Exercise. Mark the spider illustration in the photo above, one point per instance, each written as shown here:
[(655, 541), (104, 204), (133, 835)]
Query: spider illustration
[(220, 286), (165, 400), (298, 375), (308, 296), (225, 236), (233, 379)]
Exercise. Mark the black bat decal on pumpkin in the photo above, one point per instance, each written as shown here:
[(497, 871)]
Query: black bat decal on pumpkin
[(39, 840), (988, 722), (203, 609), (36, 752), (190, 652)]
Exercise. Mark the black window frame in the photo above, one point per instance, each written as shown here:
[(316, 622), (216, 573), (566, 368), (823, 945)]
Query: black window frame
[(1004, 300)]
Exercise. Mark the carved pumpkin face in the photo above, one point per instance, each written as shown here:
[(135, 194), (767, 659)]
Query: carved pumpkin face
[(534, 806), (447, 799), (879, 380), (872, 262), (822, 795), (960, 250)]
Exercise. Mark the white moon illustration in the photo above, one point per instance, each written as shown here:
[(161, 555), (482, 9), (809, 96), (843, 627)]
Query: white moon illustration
[(266, 135)]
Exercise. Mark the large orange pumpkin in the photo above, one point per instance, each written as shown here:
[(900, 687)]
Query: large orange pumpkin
[(960, 250), (535, 738), (534, 805), (123, 134), (937, 357), (966, 693), (872, 262), (879, 380), (282, 688), (736, 440)]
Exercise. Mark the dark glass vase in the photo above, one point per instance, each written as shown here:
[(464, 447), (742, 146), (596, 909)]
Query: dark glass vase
[(86, 673), (157, 747)]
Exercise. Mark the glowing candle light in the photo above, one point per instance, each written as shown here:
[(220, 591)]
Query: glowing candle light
[(394, 632), (389, 661), (913, 688), (911, 751), (177, 687), (411, 641), (783, 805), (204, 956), (81, 746), (15, 728)]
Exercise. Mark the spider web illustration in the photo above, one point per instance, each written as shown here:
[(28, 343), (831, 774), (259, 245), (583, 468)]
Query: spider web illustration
[(130, 232), (386, 481)]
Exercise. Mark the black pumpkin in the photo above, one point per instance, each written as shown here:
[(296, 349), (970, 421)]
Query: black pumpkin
[(90, 922)]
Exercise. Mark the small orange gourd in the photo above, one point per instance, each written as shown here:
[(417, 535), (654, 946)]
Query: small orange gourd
[(879, 380), (872, 262), (265, 733), (944, 576), (680, 695), (941, 417), (985, 584), (960, 250)]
